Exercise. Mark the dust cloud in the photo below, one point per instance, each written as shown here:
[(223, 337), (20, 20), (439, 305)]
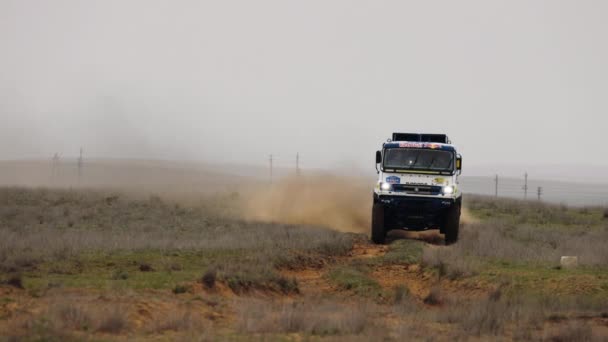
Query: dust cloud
[(340, 203), (466, 217)]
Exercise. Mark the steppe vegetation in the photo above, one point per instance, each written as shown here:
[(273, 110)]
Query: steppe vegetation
[(96, 240), (94, 265)]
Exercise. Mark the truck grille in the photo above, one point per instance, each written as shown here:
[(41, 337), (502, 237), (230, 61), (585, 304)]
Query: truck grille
[(417, 189)]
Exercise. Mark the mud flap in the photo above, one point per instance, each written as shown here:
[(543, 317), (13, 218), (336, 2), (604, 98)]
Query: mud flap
[(452, 225), (378, 229)]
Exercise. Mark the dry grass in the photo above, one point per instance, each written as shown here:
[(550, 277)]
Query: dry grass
[(242, 277), (311, 317), (571, 332), (499, 313), (31, 219), (69, 315), (449, 263), (72, 316), (112, 320), (177, 320), (500, 241), (521, 232), (86, 318), (120, 240), (42, 227), (435, 297), (491, 316), (533, 212)]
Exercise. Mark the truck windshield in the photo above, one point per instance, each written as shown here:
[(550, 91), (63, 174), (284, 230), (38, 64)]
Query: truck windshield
[(418, 159)]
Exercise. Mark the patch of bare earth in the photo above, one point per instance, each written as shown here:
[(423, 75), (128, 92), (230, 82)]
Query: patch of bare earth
[(418, 281), (314, 282)]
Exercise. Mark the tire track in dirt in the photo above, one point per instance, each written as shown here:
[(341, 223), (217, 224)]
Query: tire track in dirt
[(412, 276), (418, 281), (314, 281)]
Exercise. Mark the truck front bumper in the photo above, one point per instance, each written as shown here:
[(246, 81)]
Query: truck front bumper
[(414, 212)]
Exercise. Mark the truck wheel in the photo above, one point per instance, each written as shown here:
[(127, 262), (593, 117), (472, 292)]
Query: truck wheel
[(452, 225), (378, 231)]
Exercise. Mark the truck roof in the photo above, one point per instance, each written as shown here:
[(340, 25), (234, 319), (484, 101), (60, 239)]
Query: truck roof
[(422, 137), (417, 144)]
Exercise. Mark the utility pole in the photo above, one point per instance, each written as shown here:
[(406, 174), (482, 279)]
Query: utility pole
[(526, 186), (55, 168), (298, 164), (539, 192), (496, 187), (270, 160), (80, 167)]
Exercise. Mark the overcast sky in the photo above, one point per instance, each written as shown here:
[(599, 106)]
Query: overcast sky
[(512, 82)]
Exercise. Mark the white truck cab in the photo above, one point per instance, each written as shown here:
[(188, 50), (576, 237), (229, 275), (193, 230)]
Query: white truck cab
[(418, 186)]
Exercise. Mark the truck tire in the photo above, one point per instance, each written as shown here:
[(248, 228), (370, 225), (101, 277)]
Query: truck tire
[(452, 225), (378, 230)]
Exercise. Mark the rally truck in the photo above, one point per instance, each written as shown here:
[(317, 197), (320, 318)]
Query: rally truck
[(418, 187)]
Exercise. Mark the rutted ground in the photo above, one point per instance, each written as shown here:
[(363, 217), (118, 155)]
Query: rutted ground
[(418, 281), (315, 281)]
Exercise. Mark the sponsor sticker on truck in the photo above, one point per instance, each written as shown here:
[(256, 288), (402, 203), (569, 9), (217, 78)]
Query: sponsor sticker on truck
[(393, 180)]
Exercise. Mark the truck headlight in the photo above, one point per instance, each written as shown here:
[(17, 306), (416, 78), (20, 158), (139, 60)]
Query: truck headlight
[(385, 186), (448, 190)]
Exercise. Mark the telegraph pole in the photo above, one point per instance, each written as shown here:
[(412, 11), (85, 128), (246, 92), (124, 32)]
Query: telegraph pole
[(270, 160), (80, 167), (298, 164), (526, 186), (55, 168), (496, 187), (539, 192)]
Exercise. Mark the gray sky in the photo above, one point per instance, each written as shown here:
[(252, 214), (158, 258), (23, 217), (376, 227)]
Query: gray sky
[(512, 82)]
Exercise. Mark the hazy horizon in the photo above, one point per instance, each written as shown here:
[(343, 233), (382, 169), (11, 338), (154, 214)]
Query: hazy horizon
[(512, 83)]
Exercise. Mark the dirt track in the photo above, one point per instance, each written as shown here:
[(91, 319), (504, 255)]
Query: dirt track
[(315, 281)]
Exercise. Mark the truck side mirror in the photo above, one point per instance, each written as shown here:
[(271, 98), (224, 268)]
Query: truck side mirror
[(378, 157), (459, 163)]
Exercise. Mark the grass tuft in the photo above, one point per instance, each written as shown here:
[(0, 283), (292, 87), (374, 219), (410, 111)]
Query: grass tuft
[(209, 278), (112, 321), (145, 267), (402, 293), (434, 297), (311, 317), (356, 278), (404, 252), (179, 289), (572, 331), (15, 280)]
